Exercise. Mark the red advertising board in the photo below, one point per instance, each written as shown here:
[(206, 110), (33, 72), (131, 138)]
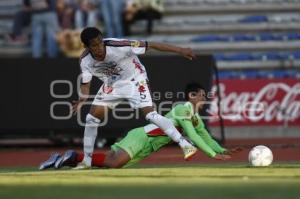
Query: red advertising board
[(258, 102)]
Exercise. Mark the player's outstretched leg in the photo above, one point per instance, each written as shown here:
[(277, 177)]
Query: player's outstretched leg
[(169, 129), (116, 159), (113, 159), (50, 162), (69, 158)]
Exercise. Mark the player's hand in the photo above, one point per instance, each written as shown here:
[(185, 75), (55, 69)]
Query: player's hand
[(77, 104), (188, 53), (222, 157), (233, 150)]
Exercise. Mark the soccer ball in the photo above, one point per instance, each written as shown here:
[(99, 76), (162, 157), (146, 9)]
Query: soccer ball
[(260, 156)]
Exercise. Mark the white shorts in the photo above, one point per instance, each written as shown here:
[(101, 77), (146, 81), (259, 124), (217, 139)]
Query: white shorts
[(135, 91)]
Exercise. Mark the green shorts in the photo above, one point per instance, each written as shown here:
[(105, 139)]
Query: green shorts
[(136, 144)]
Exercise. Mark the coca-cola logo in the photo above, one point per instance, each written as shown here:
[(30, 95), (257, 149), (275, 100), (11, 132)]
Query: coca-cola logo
[(273, 102)]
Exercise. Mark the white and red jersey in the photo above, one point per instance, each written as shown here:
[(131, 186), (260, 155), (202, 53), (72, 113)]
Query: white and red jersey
[(120, 63)]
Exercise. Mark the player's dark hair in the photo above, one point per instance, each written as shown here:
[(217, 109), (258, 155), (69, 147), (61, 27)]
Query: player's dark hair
[(192, 87), (88, 34)]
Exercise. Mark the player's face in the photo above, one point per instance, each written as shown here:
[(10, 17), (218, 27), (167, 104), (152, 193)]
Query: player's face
[(198, 99), (96, 47)]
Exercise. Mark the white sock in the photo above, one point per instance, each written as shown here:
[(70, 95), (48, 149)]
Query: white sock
[(90, 134), (183, 142), (168, 127)]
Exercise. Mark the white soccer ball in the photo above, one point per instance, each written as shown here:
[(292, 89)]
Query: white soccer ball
[(260, 156)]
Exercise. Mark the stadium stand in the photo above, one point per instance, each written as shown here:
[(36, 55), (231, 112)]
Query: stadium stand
[(254, 33), (240, 33)]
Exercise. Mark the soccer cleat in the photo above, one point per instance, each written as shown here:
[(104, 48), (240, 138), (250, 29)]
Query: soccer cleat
[(82, 166), (50, 162), (189, 152), (68, 159)]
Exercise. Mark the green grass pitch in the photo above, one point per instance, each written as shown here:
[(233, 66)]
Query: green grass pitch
[(176, 181)]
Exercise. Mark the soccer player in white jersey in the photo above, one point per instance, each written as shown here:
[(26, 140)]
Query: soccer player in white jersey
[(115, 62)]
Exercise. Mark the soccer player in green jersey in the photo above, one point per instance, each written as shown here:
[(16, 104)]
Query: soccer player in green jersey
[(141, 142)]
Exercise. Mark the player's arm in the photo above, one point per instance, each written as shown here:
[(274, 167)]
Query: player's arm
[(210, 141), (85, 85), (186, 52), (85, 91), (183, 116), (199, 142), (201, 130), (195, 138)]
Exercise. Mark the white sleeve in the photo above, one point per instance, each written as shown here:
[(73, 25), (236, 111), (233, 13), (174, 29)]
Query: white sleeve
[(138, 47), (128, 46), (86, 75)]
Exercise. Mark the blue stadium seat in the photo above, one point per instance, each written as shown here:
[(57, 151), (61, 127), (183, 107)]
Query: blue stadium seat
[(239, 57), (254, 19), (219, 57), (250, 74), (279, 74), (284, 56), (276, 56), (266, 56), (224, 75), (269, 37), (243, 37), (210, 38), (257, 56), (292, 73), (296, 55), (271, 56), (293, 36)]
